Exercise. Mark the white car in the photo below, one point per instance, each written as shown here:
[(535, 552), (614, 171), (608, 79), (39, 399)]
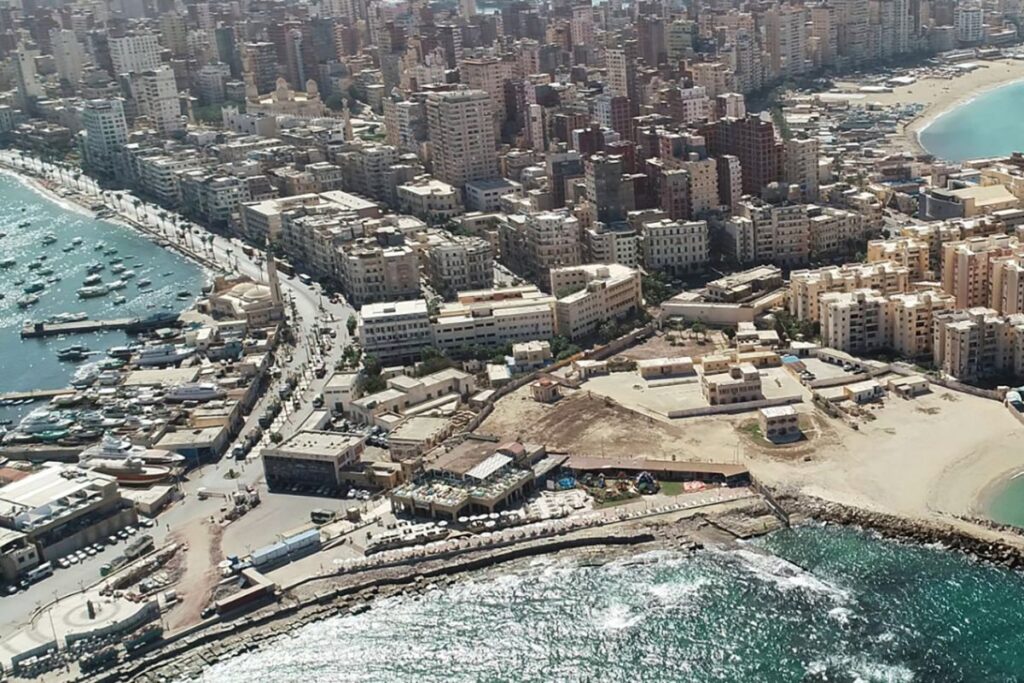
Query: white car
[(81, 555), (73, 559), (90, 551)]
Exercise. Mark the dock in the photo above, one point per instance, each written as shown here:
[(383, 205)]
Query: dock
[(131, 325), (35, 394)]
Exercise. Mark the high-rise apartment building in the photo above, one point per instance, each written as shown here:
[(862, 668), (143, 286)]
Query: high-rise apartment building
[(134, 53), (104, 133), (462, 140)]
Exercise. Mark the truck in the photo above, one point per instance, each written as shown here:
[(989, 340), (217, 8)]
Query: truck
[(139, 547)]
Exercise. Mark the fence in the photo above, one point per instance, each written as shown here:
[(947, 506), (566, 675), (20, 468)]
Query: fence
[(734, 407)]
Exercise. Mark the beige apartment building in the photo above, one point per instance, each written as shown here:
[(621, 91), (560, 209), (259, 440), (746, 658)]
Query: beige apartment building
[(807, 286), (675, 246), (462, 140), (605, 292), (833, 231), (977, 343), (379, 268), (768, 233), (912, 321), (430, 199), (855, 322), (910, 252), (457, 263), (967, 267), (532, 244)]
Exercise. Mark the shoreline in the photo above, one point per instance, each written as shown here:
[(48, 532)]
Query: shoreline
[(939, 97), (186, 659), (40, 187), (987, 495)]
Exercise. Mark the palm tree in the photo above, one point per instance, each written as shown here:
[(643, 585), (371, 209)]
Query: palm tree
[(137, 203)]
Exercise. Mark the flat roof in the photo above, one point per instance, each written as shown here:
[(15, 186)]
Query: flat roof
[(342, 380), (47, 485), (778, 411), (314, 444), (419, 428), (658, 362), (160, 377), (582, 462), (489, 466)]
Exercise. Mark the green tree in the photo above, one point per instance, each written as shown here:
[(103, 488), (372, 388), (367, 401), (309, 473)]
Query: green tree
[(351, 324), (699, 328)]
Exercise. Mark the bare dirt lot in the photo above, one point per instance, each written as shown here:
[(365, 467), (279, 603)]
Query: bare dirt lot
[(936, 454), (661, 345)]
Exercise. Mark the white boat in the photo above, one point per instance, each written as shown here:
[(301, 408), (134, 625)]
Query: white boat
[(92, 291), (128, 275), (8, 263), (49, 239), (43, 420), (118, 268), (93, 279), (28, 300), (162, 354), (194, 391), (117, 284), (144, 282), (76, 241), (111, 447), (119, 299)]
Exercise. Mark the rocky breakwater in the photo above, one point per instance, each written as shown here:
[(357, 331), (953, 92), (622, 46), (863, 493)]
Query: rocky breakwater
[(993, 543)]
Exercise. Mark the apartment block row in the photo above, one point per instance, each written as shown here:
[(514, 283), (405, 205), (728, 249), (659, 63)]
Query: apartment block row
[(978, 343), (864, 321), (495, 317)]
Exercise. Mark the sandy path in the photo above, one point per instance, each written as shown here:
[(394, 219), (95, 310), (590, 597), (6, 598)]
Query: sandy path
[(200, 576)]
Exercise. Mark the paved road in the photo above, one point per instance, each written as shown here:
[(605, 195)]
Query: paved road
[(308, 311)]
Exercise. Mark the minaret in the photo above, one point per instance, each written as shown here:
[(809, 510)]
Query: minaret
[(272, 281), (346, 117)]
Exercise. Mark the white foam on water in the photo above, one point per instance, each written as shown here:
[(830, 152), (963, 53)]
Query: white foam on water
[(787, 576), (676, 593), (840, 614), (618, 617)]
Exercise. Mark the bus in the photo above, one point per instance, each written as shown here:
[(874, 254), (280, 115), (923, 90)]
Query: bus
[(39, 573), (321, 516)]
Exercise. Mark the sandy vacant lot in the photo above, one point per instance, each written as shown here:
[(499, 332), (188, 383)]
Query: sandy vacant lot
[(932, 455)]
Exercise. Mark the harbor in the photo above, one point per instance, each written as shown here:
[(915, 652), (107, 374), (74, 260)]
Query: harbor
[(34, 329)]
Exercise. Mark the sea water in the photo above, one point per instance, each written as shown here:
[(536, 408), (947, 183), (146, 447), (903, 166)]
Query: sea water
[(988, 125), (32, 363), (811, 604)]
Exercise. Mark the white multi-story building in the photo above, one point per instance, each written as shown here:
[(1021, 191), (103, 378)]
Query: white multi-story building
[(430, 199), (604, 292), (68, 55), (158, 99), (104, 133), (462, 136), (379, 268), (136, 53), (675, 246), (969, 22), (801, 166), (460, 263), (395, 329), (494, 317)]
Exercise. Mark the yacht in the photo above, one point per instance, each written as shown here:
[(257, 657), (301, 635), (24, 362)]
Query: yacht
[(43, 420), (76, 241), (100, 247), (93, 291), (49, 239), (109, 252), (8, 263), (118, 268), (162, 354), (194, 391), (35, 286), (111, 447), (93, 279), (117, 284), (121, 352), (28, 300), (128, 274), (24, 224), (95, 268), (45, 272), (35, 265), (76, 352), (119, 299), (69, 317), (144, 282)]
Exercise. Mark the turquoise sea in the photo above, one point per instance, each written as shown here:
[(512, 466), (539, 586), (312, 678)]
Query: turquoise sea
[(812, 604), (32, 363), (989, 125)]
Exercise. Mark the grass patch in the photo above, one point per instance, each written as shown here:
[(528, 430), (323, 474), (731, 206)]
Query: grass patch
[(671, 488)]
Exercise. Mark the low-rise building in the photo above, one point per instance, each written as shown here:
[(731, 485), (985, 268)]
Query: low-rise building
[(662, 368), (741, 383), (602, 292), (311, 458), (779, 424), (430, 199), (395, 330)]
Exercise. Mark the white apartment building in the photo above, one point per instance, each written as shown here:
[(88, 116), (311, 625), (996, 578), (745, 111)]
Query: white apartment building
[(969, 23), (68, 55), (494, 317), (158, 99), (136, 53), (605, 292), (533, 244), (394, 329), (462, 138), (776, 234), (801, 166), (675, 246), (618, 244), (105, 132)]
